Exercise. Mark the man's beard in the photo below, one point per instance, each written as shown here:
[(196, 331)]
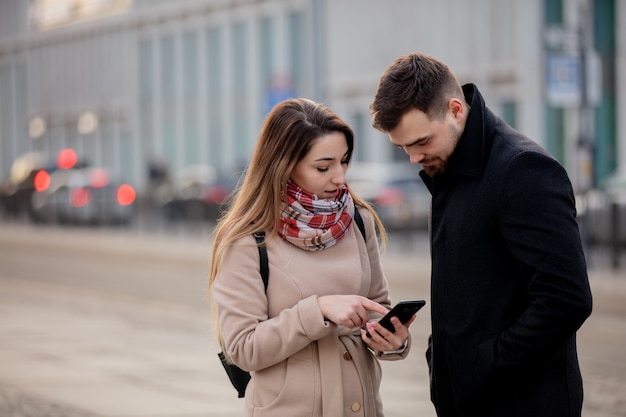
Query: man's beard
[(442, 162), (433, 170)]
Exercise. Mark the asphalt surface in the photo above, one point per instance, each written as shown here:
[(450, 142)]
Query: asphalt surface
[(84, 340)]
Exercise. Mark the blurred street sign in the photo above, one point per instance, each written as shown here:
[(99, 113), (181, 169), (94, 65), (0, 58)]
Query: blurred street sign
[(564, 84), (280, 89), (563, 80)]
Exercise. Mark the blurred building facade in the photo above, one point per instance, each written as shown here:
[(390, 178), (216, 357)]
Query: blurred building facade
[(130, 82)]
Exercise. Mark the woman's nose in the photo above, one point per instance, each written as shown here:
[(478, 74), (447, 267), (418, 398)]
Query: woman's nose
[(340, 176)]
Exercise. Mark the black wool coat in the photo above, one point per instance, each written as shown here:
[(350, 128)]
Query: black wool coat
[(509, 285)]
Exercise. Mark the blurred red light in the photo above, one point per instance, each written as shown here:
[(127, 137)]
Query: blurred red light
[(125, 195), (66, 158), (214, 195), (390, 197), (219, 194), (99, 178), (80, 197), (42, 180)]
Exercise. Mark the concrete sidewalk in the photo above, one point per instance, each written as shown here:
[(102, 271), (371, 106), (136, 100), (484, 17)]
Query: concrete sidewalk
[(75, 353), (607, 283)]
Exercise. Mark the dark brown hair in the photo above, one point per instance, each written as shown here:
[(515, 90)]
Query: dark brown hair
[(414, 81)]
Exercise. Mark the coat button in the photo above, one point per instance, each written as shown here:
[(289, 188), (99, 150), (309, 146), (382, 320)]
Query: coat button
[(356, 406), (346, 355)]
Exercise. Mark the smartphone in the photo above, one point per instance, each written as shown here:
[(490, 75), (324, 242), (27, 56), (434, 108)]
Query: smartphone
[(404, 310)]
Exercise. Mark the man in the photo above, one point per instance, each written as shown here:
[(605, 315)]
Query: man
[(509, 285)]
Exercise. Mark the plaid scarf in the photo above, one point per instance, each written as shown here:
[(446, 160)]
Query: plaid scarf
[(313, 224)]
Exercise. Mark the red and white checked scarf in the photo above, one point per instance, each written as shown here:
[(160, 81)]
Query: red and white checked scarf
[(313, 224)]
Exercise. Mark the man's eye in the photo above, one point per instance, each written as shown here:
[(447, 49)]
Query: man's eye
[(423, 142)]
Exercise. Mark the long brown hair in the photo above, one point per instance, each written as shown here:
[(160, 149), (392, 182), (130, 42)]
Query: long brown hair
[(290, 130)]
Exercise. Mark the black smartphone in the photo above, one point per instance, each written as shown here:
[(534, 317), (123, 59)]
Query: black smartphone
[(404, 310)]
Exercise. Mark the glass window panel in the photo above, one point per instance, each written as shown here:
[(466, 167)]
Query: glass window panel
[(502, 37), (146, 96), (555, 132), (214, 81), (553, 12), (6, 110), (358, 125), (509, 113), (24, 143), (240, 89), (266, 50), (190, 93), (296, 50), (168, 95)]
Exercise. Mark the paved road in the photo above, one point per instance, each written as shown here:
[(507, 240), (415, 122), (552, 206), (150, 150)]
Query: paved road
[(102, 324)]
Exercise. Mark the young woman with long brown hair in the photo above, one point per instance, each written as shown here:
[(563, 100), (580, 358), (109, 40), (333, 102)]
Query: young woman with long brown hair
[(303, 339)]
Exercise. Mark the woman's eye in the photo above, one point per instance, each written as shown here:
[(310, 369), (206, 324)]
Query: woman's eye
[(323, 169)]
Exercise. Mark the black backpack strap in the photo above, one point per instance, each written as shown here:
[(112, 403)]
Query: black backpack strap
[(263, 260), (359, 222)]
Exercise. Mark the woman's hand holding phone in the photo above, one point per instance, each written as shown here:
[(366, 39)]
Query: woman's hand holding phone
[(382, 339), (391, 332)]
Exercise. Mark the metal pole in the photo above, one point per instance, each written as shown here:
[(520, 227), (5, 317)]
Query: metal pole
[(586, 142), (614, 234)]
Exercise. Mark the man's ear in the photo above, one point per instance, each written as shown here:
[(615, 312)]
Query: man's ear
[(456, 107)]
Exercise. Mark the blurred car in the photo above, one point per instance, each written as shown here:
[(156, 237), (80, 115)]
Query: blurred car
[(196, 192), (395, 190), (83, 196), (30, 172), (16, 191)]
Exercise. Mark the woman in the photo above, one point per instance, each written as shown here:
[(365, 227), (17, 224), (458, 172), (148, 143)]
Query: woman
[(304, 338)]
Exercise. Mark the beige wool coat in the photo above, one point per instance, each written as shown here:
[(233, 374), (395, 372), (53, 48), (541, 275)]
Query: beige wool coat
[(302, 364)]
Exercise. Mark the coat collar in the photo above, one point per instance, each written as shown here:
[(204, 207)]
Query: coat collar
[(470, 155)]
